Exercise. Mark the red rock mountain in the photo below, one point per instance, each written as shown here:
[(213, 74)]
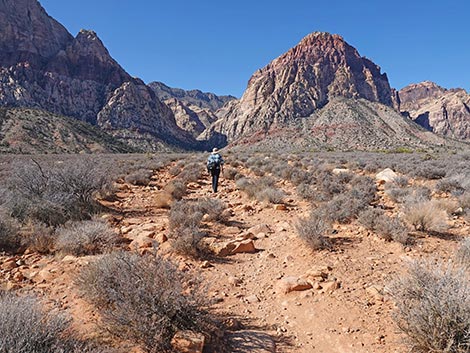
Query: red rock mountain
[(443, 111), (296, 84), (43, 66)]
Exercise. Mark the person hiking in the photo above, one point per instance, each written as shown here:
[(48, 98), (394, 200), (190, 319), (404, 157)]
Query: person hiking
[(215, 165)]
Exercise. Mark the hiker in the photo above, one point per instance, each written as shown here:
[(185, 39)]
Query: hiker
[(215, 164)]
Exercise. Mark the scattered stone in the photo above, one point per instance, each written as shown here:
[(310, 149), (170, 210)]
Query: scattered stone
[(252, 299), (18, 277), (234, 281), (376, 292), (330, 286), (9, 265), (292, 283), (206, 264), (280, 207), (141, 242), (386, 176), (245, 246), (69, 258), (160, 238), (338, 171), (260, 228), (188, 342), (232, 230)]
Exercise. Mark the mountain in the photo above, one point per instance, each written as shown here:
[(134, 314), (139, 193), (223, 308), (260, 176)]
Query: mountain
[(208, 101), (43, 66), (301, 81), (24, 130), (443, 111), (320, 94)]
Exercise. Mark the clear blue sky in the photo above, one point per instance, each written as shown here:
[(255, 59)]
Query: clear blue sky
[(216, 46)]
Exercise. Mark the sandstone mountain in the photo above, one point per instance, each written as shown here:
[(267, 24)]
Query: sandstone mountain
[(443, 111), (299, 82), (43, 66), (204, 100), (24, 130), (320, 94)]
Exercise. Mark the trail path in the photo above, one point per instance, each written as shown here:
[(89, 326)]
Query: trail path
[(346, 310)]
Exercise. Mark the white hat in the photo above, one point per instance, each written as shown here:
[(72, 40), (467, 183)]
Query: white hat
[(215, 150)]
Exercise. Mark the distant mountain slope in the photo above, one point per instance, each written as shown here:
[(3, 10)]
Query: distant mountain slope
[(43, 66), (209, 101), (31, 131), (443, 111)]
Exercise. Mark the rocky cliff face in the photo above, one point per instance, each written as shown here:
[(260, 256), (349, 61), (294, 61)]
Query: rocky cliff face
[(43, 66), (322, 66), (204, 100), (445, 112)]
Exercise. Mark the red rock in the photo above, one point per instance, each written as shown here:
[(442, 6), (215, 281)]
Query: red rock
[(188, 342)]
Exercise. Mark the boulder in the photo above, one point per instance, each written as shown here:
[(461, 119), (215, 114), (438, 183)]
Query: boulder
[(260, 228), (386, 176), (292, 283), (188, 342), (338, 171)]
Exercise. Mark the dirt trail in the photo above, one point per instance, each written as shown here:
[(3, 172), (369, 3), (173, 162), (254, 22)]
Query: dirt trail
[(346, 310)]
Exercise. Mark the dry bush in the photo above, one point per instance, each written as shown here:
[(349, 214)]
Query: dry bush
[(27, 327), (462, 255), (85, 238), (368, 218), (145, 299), (425, 216), (54, 194), (306, 191), (10, 240), (163, 199), (230, 173), (464, 201), (191, 173), (177, 189), (139, 177), (38, 237), (429, 172), (392, 228), (262, 189), (187, 242), (213, 209), (433, 307), (450, 185), (271, 195), (313, 230), (185, 214), (175, 170)]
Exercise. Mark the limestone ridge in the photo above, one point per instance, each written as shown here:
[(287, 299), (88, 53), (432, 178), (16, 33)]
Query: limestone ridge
[(443, 111), (43, 66), (301, 81)]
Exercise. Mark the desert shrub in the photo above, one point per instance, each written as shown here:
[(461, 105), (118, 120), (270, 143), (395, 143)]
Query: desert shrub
[(38, 237), (449, 206), (55, 194), (85, 238), (145, 299), (187, 242), (9, 237), (342, 208), (175, 170), (213, 209), (27, 327), (313, 230), (463, 253), (396, 194), (392, 228), (425, 216), (191, 173), (230, 173), (371, 167), (185, 214), (368, 218), (364, 189), (450, 185), (429, 172), (177, 189), (139, 177), (401, 181), (270, 194), (433, 307), (246, 185), (464, 201)]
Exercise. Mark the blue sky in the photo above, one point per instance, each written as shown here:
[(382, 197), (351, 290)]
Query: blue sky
[(216, 46)]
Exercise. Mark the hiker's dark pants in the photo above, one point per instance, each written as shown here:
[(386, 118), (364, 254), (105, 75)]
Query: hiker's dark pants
[(215, 178)]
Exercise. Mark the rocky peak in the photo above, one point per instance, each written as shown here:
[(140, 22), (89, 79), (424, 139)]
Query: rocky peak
[(443, 111), (27, 31), (301, 81)]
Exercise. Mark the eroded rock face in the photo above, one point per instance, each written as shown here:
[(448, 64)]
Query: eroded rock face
[(443, 111), (301, 81), (43, 66)]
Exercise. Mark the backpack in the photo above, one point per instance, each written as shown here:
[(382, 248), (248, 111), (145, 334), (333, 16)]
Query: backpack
[(214, 161)]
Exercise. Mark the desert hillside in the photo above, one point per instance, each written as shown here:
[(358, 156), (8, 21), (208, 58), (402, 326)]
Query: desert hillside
[(295, 253)]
